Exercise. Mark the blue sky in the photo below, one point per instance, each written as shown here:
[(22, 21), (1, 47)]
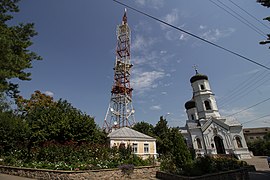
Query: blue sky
[(77, 41)]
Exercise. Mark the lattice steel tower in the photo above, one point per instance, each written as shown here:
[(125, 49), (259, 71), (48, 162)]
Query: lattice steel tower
[(120, 112)]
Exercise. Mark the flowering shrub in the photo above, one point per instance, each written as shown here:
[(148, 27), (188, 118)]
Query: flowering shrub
[(72, 156)]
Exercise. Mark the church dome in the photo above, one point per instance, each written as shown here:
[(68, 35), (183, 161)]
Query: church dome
[(198, 77), (190, 104)]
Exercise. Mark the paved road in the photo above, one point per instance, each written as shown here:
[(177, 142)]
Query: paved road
[(9, 177), (259, 175)]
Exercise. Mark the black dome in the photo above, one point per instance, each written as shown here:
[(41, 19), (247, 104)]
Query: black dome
[(198, 77), (190, 104)]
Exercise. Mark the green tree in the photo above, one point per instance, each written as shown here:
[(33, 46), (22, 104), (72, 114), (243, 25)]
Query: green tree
[(161, 130), (15, 56), (265, 3), (58, 121), (13, 132), (144, 128)]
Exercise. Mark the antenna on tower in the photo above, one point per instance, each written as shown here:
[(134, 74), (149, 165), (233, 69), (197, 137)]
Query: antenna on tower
[(120, 112)]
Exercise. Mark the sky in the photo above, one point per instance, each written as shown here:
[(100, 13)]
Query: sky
[(77, 40)]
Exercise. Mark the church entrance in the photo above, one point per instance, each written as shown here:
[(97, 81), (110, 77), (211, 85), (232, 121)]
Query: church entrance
[(219, 145)]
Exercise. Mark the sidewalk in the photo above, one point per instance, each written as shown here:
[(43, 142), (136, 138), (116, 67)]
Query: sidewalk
[(260, 163), (10, 177)]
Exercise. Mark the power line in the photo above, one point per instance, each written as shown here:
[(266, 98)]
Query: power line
[(263, 33), (249, 14), (245, 92), (249, 107), (256, 119), (246, 23), (195, 36)]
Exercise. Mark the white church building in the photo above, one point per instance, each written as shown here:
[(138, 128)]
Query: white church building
[(206, 131)]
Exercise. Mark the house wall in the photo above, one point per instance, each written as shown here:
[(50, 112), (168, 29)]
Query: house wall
[(140, 146)]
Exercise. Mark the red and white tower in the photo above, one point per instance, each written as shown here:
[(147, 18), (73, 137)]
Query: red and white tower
[(120, 112)]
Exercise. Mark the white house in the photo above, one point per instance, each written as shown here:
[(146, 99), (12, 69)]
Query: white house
[(142, 145), (206, 131)]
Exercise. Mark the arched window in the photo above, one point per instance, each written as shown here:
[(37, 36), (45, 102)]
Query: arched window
[(207, 105), (199, 144), (238, 142), (202, 87)]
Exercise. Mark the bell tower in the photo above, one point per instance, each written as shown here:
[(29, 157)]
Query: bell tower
[(203, 96)]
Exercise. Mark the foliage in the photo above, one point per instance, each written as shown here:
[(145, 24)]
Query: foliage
[(13, 132), (144, 128), (264, 2), (15, 56), (161, 131), (58, 121), (72, 156), (260, 147), (205, 165)]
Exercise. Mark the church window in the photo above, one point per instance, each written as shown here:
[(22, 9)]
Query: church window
[(192, 116), (202, 87), (199, 144), (207, 105), (239, 143)]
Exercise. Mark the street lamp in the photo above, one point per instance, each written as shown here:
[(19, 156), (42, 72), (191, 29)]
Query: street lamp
[(167, 115)]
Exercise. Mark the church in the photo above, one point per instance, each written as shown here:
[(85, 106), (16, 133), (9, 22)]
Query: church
[(206, 131)]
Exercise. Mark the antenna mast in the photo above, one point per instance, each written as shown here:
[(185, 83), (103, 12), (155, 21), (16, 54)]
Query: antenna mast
[(120, 112)]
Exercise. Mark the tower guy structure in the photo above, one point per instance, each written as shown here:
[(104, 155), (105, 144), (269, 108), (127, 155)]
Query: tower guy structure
[(120, 112)]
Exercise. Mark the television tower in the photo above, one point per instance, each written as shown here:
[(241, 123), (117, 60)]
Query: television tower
[(120, 112)]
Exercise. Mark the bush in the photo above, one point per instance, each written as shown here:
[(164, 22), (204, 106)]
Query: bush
[(203, 165), (72, 156)]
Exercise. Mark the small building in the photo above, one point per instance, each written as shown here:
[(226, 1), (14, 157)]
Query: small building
[(252, 134), (142, 145), (206, 131)]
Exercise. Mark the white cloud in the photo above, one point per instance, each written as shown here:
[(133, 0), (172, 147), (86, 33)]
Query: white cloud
[(242, 117), (49, 93), (163, 52), (202, 27), (214, 35), (155, 108), (156, 4), (171, 18), (144, 81), (142, 43), (164, 93), (183, 37)]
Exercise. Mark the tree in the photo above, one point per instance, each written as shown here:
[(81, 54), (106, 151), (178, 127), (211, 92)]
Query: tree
[(15, 56), (161, 130), (144, 128), (13, 133), (58, 121), (265, 3), (179, 152)]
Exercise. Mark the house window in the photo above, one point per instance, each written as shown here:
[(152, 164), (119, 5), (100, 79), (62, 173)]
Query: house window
[(202, 87), (207, 105), (239, 143), (135, 147), (146, 148), (199, 144), (192, 116)]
